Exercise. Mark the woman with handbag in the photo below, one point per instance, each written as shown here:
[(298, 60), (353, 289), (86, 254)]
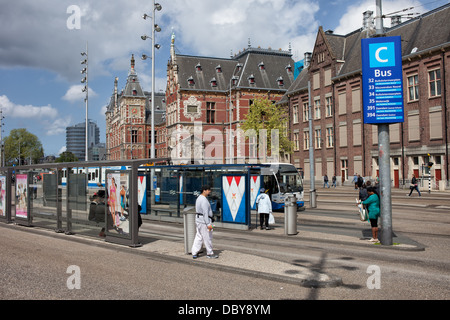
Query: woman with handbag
[(372, 204), (264, 208)]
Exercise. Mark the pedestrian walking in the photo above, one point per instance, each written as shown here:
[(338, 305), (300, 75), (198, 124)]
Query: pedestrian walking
[(355, 180), (204, 225), (264, 206), (325, 181), (333, 181), (363, 194), (414, 186), (372, 203)]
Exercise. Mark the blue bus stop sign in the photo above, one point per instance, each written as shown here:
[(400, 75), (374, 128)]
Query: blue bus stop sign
[(382, 79)]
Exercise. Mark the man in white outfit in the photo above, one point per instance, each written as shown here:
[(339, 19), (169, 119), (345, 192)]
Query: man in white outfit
[(264, 208), (204, 225)]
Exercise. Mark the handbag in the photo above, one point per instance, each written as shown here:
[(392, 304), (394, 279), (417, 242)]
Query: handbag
[(271, 219), (363, 214)]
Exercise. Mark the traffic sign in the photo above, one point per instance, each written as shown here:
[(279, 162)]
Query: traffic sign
[(382, 79)]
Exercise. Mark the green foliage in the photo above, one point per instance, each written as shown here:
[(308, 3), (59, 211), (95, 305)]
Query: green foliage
[(22, 146), (67, 156), (264, 114)]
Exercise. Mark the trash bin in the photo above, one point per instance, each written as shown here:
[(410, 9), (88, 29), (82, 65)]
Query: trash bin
[(290, 215), (189, 231)]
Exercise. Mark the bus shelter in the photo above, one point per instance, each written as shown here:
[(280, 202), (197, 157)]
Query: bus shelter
[(91, 198)]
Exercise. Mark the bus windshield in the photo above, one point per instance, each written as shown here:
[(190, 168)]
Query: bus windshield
[(289, 179)]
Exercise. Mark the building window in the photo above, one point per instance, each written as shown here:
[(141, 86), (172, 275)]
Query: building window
[(191, 81), (328, 106), (198, 67), (330, 137), (434, 78), (305, 112), (210, 112), (296, 141), (317, 114), (280, 81), (134, 135), (213, 82), (318, 138), (219, 69), (251, 79), (305, 140), (413, 88), (295, 115), (261, 66)]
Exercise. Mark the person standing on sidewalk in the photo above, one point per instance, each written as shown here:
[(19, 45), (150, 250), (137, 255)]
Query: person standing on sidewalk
[(204, 226), (264, 208), (372, 203), (414, 186)]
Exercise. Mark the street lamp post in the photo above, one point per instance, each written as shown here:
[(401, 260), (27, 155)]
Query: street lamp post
[(155, 28), (86, 89)]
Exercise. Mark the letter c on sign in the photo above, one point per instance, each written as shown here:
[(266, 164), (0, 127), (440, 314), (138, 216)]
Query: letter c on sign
[(377, 55)]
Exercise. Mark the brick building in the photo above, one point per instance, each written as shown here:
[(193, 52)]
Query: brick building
[(208, 97), (343, 143), (128, 121)]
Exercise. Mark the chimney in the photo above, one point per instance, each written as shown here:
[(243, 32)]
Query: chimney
[(307, 60), (368, 20), (395, 21)]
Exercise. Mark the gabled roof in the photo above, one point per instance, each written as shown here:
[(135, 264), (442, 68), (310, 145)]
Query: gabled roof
[(267, 68), (421, 34)]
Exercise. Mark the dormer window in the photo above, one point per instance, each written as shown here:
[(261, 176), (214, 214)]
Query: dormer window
[(219, 69), (134, 92), (234, 80), (280, 81), (261, 66), (251, 79), (191, 81), (213, 82), (239, 67), (289, 68), (198, 67)]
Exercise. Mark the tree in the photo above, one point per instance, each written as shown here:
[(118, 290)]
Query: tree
[(67, 156), (264, 114), (22, 147)]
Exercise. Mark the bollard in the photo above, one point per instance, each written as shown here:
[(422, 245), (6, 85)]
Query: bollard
[(290, 215), (189, 231)]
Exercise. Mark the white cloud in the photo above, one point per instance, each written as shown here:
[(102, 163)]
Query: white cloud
[(216, 28), (26, 111), (58, 126), (75, 94)]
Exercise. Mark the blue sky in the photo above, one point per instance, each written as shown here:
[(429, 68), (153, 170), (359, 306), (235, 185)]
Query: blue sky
[(41, 42)]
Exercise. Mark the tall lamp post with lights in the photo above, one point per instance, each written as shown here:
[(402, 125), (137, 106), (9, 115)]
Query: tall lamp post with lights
[(85, 89), (155, 28)]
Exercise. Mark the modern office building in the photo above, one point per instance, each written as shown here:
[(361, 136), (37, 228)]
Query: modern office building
[(76, 138)]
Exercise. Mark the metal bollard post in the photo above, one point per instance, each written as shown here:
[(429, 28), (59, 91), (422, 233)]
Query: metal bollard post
[(290, 219), (189, 231)]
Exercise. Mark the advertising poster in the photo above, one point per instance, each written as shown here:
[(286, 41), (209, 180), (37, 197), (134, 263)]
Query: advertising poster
[(2, 196), (117, 215), (233, 198), (21, 196)]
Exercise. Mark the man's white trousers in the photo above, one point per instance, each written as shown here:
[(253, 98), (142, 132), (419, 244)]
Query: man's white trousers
[(203, 236)]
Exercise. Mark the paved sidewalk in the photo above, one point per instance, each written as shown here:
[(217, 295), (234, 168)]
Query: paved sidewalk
[(318, 225)]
